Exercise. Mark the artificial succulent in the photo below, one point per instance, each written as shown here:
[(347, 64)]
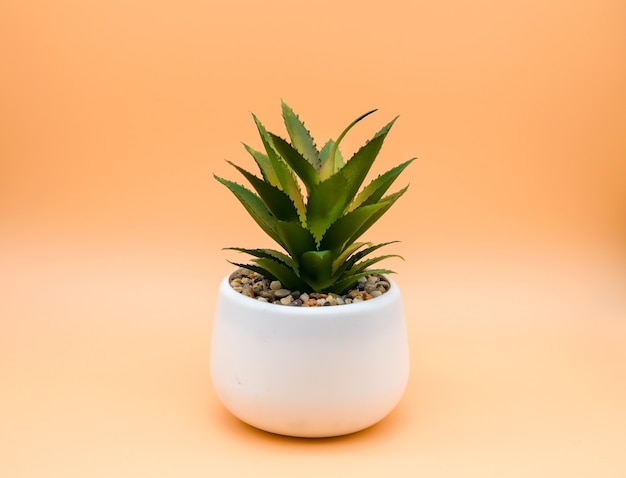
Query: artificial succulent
[(317, 229)]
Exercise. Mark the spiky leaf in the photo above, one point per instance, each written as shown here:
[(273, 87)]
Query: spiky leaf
[(338, 235), (327, 202), (255, 207), (349, 227), (347, 263), (328, 168), (378, 187), (347, 252), (300, 137), (283, 273), (363, 265), (317, 269), (296, 161), (386, 203), (277, 201), (265, 166), (365, 252), (318, 232), (268, 254), (285, 177), (295, 239), (325, 154), (358, 166)]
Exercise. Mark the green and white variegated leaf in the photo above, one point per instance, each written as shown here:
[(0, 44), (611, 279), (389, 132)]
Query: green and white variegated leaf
[(301, 138)]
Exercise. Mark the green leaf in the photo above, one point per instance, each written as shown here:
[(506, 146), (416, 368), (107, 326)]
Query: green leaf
[(375, 190), (287, 276), (363, 265), (265, 166), (258, 269), (328, 168), (286, 179), (268, 254), (300, 137), (316, 270), (255, 207), (327, 202), (325, 154), (343, 257), (349, 227), (358, 166), (296, 161), (387, 202), (295, 239), (338, 235), (365, 252), (279, 203), (340, 268)]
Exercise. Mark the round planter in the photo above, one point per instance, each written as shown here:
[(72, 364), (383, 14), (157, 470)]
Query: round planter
[(309, 372)]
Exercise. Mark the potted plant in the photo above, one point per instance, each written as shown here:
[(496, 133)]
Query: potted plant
[(311, 341)]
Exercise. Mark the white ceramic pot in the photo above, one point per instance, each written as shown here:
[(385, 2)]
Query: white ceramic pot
[(309, 371)]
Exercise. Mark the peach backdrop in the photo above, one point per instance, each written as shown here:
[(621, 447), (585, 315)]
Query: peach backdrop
[(113, 118)]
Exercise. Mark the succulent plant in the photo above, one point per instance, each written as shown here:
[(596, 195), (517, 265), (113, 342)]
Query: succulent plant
[(318, 230)]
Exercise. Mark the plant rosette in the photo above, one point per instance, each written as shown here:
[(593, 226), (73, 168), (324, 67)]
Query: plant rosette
[(288, 367), (309, 371)]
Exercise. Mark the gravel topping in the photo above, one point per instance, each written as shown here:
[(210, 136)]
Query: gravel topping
[(254, 285)]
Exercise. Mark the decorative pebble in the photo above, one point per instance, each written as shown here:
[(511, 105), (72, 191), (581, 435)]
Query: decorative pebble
[(280, 293), (252, 284)]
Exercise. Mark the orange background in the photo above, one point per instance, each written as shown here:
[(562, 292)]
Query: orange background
[(113, 118)]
